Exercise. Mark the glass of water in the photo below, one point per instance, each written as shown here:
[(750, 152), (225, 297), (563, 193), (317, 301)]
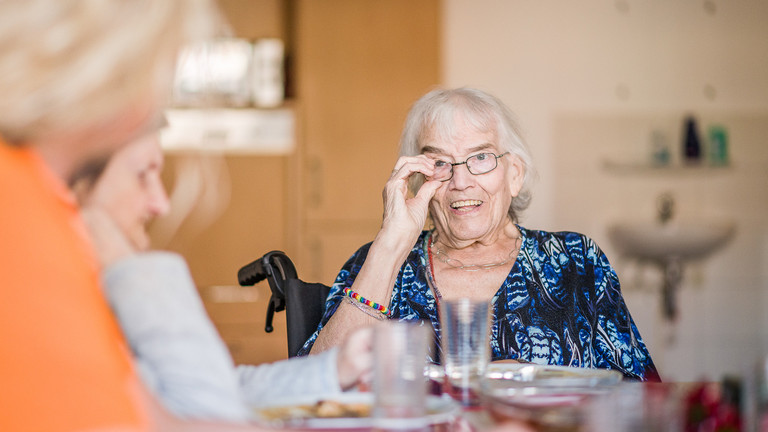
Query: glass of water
[(399, 384), (465, 346)]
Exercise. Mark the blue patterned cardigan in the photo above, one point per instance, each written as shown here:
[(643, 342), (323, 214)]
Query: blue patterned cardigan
[(561, 304)]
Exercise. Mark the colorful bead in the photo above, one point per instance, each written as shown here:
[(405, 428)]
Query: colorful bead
[(353, 295)]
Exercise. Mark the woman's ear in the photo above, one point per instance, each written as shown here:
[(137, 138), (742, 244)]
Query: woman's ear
[(84, 180), (515, 174), (81, 189)]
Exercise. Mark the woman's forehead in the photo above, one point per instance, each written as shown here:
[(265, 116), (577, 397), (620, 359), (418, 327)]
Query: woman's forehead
[(143, 152), (460, 149), (465, 140), (459, 124)]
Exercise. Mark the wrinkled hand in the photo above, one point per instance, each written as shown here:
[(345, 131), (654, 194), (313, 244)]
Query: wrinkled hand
[(107, 238), (401, 213), (355, 360)]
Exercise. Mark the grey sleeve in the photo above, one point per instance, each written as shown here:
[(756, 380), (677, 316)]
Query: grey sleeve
[(179, 353), (314, 375)]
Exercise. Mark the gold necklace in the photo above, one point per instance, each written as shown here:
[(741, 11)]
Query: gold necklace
[(444, 258)]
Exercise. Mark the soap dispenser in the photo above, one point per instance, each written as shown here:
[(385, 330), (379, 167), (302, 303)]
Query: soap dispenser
[(691, 141)]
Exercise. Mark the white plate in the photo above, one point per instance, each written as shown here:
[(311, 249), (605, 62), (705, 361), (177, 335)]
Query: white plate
[(296, 413), (533, 375), (540, 386), (529, 374)]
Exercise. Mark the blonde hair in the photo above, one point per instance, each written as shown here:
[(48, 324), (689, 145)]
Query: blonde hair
[(66, 64)]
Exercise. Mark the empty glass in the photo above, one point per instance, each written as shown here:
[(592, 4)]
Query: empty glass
[(399, 385), (465, 345)]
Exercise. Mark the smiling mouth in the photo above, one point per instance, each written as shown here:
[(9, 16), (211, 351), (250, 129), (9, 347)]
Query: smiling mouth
[(459, 205)]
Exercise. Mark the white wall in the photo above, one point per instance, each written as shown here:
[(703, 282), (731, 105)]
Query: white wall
[(589, 80)]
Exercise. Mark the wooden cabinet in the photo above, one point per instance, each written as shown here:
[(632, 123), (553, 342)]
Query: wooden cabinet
[(240, 314), (355, 67), (359, 65), (253, 19), (238, 212)]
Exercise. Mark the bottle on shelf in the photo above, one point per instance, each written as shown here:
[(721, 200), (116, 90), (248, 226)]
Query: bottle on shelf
[(718, 145), (691, 142), (659, 149)]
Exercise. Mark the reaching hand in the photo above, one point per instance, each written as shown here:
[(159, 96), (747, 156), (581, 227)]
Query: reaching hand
[(408, 215), (355, 360)]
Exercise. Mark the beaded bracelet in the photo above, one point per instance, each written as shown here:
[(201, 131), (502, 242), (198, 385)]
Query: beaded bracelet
[(379, 307), (373, 313)]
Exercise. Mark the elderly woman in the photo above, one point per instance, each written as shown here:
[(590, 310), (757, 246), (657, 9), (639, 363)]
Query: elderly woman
[(556, 300)]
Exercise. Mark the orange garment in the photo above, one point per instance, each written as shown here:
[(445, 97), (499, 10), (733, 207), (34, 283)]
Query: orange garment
[(64, 365)]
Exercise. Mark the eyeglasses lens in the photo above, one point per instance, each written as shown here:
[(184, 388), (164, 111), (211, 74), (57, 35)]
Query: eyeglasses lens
[(481, 163), (443, 171)]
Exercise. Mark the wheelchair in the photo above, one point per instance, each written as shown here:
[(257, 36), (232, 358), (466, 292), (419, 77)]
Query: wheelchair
[(303, 302)]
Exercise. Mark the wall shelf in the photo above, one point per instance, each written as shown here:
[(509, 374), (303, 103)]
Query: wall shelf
[(254, 131), (640, 168)]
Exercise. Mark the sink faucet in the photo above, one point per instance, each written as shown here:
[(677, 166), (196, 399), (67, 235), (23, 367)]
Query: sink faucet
[(666, 206)]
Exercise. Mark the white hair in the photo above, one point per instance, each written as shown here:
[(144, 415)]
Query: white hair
[(435, 113)]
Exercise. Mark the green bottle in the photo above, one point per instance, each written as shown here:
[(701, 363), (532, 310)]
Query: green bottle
[(718, 145)]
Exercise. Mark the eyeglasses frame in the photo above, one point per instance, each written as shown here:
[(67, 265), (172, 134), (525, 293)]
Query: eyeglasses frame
[(453, 164)]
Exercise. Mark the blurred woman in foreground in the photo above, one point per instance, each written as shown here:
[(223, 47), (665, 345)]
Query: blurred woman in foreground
[(79, 80), (179, 353)]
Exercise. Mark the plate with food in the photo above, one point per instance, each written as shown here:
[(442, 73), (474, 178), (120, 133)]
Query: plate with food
[(352, 410)]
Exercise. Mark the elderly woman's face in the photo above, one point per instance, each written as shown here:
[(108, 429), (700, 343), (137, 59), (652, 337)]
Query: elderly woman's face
[(468, 207)]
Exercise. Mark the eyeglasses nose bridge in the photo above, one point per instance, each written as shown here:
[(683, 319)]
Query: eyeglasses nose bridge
[(453, 164)]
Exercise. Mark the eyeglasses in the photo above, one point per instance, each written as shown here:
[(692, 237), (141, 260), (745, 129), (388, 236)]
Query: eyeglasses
[(476, 164)]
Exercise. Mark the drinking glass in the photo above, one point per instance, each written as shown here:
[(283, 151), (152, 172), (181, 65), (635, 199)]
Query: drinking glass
[(754, 397), (465, 345), (399, 384)]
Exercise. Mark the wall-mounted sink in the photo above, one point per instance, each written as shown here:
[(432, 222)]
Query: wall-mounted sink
[(670, 244), (683, 240)]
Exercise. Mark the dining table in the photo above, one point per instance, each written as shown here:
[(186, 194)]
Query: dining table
[(547, 399)]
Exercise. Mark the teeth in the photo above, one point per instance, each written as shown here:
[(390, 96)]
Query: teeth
[(465, 203)]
